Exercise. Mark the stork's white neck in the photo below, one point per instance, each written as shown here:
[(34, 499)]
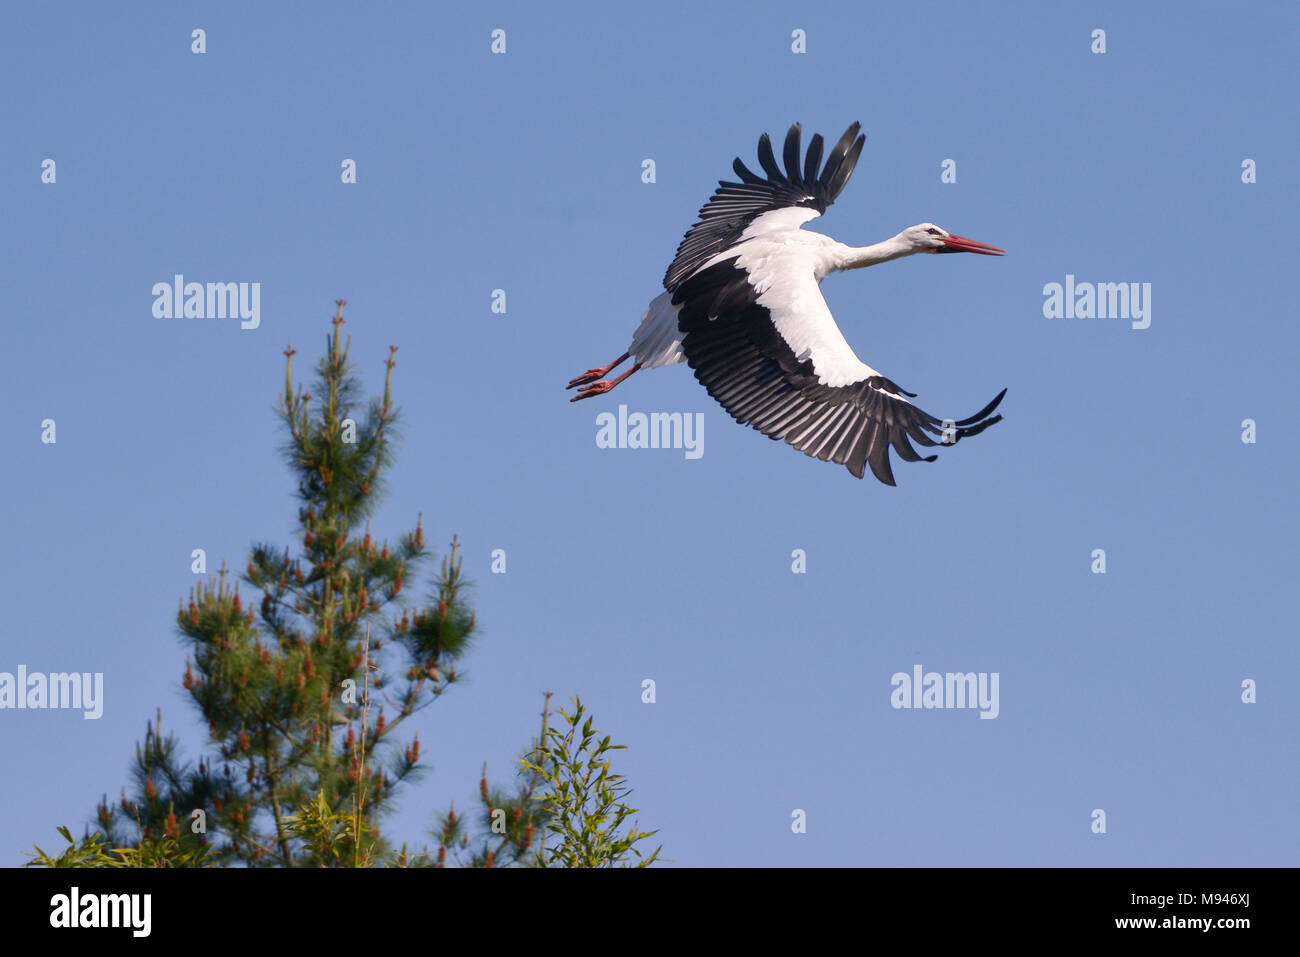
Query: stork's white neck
[(855, 257)]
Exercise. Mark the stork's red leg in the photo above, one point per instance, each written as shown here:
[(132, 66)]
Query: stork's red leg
[(591, 375), (600, 388)]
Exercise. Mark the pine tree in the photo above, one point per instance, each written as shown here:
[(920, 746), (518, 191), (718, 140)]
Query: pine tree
[(292, 683)]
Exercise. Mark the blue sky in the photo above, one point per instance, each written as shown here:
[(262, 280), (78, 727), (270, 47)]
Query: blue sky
[(1118, 691)]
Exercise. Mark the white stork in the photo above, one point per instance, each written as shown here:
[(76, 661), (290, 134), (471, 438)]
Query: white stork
[(743, 308)]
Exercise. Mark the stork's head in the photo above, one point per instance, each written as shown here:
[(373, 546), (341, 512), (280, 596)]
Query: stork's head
[(929, 238)]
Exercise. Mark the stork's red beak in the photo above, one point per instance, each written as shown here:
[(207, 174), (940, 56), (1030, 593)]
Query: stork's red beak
[(960, 244)]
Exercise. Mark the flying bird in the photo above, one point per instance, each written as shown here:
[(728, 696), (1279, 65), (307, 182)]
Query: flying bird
[(743, 308)]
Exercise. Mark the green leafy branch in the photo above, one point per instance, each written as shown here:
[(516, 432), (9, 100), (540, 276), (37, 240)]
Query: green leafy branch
[(94, 851), (584, 799)]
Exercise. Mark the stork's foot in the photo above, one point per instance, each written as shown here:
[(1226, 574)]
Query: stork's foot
[(599, 388), (591, 375), (595, 389)]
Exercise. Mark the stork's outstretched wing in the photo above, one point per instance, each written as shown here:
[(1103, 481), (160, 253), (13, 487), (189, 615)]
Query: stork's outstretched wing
[(777, 361), (735, 206)]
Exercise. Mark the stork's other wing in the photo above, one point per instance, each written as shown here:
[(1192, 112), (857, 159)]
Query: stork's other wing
[(734, 206)]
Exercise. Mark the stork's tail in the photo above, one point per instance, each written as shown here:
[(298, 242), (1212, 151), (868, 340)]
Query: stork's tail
[(657, 341)]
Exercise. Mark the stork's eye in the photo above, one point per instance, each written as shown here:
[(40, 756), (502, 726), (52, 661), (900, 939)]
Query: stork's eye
[(933, 232)]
